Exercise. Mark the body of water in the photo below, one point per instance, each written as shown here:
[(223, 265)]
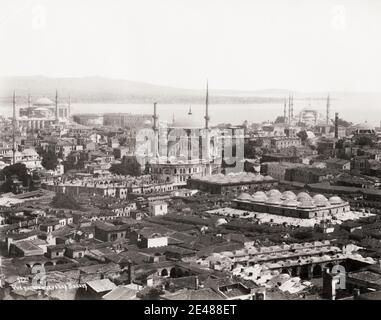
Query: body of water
[(356, 107)]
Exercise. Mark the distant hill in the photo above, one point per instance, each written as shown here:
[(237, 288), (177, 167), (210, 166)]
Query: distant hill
[(103, 90)]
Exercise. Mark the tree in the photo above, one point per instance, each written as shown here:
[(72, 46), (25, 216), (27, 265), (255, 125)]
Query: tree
[(20, 171), (65, 201), (49, 160), (127, 168), (363, 140), (302, 135)]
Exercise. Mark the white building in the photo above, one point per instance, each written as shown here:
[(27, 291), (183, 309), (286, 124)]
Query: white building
[(158, 208)]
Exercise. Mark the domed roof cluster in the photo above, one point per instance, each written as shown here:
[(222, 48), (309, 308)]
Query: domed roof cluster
[(289, 199), (240, 177)]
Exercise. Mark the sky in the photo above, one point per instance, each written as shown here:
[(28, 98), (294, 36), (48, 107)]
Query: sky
[(306, 45)]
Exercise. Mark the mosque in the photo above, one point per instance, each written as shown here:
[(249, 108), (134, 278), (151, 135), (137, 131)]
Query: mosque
[(42, 113), (190, 149)]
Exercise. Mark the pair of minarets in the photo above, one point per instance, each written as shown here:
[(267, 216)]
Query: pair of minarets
[(206, 117), (290, 109)]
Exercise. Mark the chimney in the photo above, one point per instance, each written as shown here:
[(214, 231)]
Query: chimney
[(197, 286), (131, 272), (336, 125)]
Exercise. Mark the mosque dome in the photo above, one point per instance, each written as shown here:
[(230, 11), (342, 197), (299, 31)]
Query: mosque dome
[(289, 195), (335, 200), (43, 102), (319, 197), (244, 196), (274, 193), (302, 196), (259, 196)]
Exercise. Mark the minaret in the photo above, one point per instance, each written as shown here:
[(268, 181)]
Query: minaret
[(328, 109), (285, 110), (207, 118), (190, 111), (56, 111), (14, 128), (289, 109), (292, 106), (156, 129), (69, 108), (207, 131), (29, 105)]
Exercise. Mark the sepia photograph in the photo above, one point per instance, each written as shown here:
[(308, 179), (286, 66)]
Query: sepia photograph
[(208, 151)]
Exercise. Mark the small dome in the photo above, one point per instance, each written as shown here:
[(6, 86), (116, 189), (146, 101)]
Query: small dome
[(303, 195), (289, 195), (267, 178), (259, 196), (319, 197), (321, 203), (245, 196), (335, 200), (274, 193)]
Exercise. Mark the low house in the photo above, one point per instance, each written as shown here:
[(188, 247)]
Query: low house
[(27, 248), (121, 293), (98, 288), (338, 164), (57, 251), (108, 232), (75, 251), (148, 238)]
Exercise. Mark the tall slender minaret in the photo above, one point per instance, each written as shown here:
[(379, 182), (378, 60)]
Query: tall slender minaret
[(285, 110), (56, 111), (328, 109), (207, 131), (69, 108), (29, 105), (207, 118), (289, 109), (156, 129), (14, 128), (292, 106)]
